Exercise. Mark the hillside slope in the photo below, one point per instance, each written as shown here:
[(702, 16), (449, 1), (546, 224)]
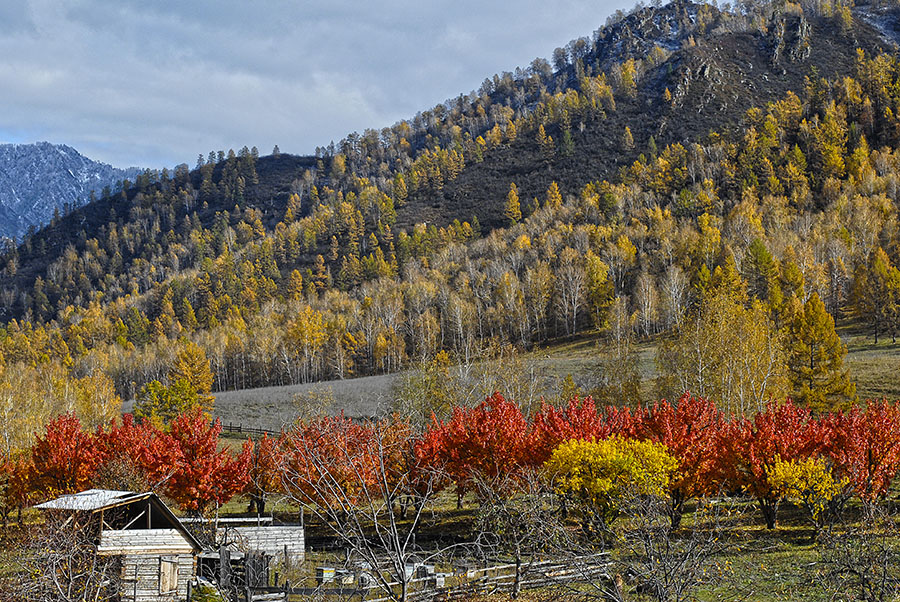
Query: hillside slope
[(681, 143)]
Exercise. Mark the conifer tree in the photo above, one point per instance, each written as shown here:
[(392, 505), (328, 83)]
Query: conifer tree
[(192, 367), (554, 198), (627, 140), (513, 211), (545, 142), (816, 359), (295, 285)]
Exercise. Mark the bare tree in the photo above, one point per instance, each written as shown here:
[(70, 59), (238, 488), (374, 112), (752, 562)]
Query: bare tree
[(59, 562), (670, 565), (571, 281), (362, 493), (675, 289), (517, 519), (647, 302), (861, 561)]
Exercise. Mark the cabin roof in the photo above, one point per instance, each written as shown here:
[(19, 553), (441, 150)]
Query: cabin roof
[(97, 500), (93, 500)]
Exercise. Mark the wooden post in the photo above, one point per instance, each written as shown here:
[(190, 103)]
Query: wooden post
[(287, 559), (224, 567), (189, 592)]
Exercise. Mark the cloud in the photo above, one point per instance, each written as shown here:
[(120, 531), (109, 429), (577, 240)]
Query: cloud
[(132, 82)]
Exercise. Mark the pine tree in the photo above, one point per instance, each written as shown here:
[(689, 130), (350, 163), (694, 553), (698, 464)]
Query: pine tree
[(513, 211), (191, 370), (627, 140), (816, 359), (554, 198)]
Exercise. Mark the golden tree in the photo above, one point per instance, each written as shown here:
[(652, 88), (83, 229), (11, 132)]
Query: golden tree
[(816, 359)]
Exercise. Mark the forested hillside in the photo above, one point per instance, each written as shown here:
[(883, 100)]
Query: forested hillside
[(726, 180)]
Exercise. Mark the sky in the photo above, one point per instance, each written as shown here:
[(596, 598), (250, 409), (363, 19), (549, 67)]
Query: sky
[(154, 83)]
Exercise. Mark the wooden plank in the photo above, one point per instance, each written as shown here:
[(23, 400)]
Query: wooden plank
[(143, 541), (140, 578), (274, 540)]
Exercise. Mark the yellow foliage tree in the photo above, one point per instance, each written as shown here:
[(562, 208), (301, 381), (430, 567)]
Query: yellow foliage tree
[(192, 366), (600, 475), (513, 209), (554, 197), (810, 484)]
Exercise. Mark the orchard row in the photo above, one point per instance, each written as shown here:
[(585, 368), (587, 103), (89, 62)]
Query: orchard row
[(687, 449)]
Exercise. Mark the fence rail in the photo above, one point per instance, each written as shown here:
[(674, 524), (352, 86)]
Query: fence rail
[(464, 584), (240, 429)]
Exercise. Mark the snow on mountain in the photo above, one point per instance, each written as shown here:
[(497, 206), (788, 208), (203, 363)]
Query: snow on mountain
[(36, 179)]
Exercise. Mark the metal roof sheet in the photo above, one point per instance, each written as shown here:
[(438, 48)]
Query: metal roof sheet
[(92, 500)]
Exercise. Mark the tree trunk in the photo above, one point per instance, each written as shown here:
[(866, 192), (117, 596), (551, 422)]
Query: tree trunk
[(677, 508), (769, 510), (404, 587), (517, 582)]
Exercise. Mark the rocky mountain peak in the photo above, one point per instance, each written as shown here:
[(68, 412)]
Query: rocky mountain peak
[(40, 178)]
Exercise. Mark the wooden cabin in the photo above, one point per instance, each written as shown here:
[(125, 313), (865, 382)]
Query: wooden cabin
[(156, 552)]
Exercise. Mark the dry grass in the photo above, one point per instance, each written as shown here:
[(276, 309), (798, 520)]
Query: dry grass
[(873, 367)]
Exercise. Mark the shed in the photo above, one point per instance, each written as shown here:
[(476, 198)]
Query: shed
[(157, 553)]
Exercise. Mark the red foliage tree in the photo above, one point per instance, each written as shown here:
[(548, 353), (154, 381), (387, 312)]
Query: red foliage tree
[(690, 430), (333, 447), (204, 474), (266, 461), (137, 449), (552, 426), (63, 460), (484, 442), (746, 450), (13, 485), (579, 420), (865, 447)]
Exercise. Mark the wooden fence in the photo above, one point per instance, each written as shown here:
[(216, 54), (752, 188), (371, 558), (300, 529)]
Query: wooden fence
[(499, 578), (240, 429)]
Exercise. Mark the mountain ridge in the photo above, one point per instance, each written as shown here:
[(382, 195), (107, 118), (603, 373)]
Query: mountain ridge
[(433, 233), (39, 178)]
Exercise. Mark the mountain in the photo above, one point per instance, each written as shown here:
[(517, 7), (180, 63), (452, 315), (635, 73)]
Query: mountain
[(38, 179), (679, 148)]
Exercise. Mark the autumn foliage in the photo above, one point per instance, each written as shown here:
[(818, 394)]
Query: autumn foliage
[(864, 446), (486, 442), (204, 475), (690, 429), (186, 463), (599, 474), (782, 452), (64, 459), (714, 453)]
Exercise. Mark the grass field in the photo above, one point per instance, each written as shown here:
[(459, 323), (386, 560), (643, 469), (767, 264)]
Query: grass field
[(874, 368), (782, 564)]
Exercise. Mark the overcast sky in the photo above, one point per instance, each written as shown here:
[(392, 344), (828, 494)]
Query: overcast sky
[(152, 83)]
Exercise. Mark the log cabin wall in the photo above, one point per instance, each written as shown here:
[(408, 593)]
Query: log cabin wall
[(271, 539), (144, 579), (156, 563)]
